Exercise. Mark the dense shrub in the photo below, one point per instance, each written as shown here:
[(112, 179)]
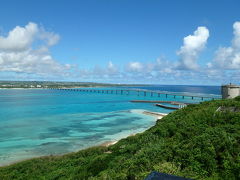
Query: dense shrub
[(237, 98)]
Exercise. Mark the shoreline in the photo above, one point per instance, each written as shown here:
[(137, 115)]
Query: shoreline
[(157, 116), (107, 143)]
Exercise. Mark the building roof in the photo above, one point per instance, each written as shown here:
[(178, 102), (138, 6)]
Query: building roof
[(231, 85)]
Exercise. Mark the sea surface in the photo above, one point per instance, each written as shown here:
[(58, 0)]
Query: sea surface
[(189, 89), (39, 122)]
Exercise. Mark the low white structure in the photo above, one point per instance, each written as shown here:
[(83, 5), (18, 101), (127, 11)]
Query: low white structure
[(230, 91)]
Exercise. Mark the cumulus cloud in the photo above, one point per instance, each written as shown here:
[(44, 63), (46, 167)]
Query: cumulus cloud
[(20, 38), (18, 55), (25, 51), (151, 72), (110, 72), (164, 66), (134, 67), (30, 61), (228, 57), (192, 46), (236, 39), (112, 69), (186, 70), (50, 37)]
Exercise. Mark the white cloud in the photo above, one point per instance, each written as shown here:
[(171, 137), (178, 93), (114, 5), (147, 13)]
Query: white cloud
[(20, 38), (18, 55), (150, 72), (25, 52), (236, 39), (30, 61), (164, 66), (50, 37), (112, 69), (135, 67), (99, 73), (192, 46), (228, 57)]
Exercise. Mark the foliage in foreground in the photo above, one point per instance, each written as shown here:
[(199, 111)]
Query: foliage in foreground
[(196, 142)]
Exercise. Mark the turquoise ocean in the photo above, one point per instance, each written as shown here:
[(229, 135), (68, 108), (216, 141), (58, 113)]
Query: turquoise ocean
[(40, 122)]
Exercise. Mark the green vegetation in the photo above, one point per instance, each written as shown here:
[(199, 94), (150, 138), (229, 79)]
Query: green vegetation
[(196, 142)]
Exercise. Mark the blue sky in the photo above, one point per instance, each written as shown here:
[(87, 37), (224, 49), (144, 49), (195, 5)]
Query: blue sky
[(120, 41)]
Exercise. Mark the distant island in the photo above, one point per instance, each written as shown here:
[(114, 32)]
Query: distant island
[(57, 84), (200, 141)]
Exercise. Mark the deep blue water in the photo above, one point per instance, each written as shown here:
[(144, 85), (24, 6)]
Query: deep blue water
[(37, 122), (184, 89)]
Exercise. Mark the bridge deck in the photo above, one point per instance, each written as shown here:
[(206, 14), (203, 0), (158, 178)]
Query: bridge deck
[(138, 91)]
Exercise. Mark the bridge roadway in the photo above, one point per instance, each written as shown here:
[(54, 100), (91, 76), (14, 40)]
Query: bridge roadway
[(139, 92)]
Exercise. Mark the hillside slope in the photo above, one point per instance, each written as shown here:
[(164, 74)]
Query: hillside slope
[(196, 142)]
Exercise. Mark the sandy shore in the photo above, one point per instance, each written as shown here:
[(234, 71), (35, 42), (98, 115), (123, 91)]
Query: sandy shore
[(155, 114), (108, 143)]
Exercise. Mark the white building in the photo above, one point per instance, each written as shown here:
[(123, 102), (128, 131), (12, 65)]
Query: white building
[(230, 91)]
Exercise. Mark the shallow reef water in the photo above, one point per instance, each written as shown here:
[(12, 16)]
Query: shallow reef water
[(39, 122)]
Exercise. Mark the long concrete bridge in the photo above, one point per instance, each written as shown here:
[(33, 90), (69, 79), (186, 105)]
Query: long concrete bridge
[(140, 92)]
